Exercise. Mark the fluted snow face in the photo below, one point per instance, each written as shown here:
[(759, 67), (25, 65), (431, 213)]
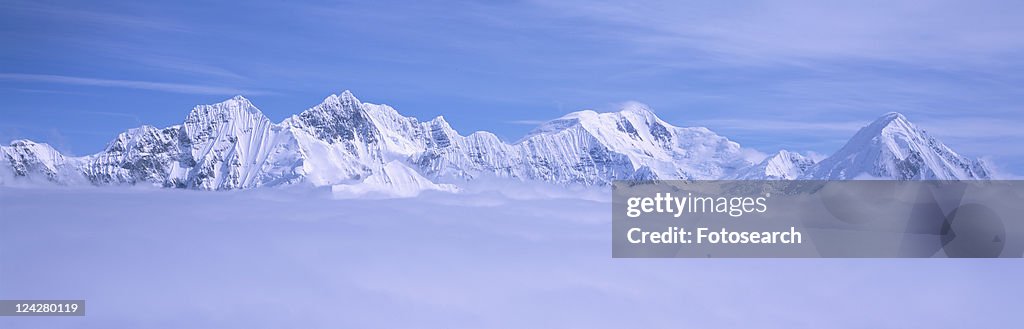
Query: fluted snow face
[(230, 142), (401, 136), (227, 145), (893, 148)]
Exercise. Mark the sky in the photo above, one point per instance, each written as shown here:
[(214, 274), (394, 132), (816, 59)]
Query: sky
[(797, 75)]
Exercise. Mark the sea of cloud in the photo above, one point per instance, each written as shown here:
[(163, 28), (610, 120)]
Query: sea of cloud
[(299, 258)]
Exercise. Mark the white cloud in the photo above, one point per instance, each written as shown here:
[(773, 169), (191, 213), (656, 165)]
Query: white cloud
[(297, 259)]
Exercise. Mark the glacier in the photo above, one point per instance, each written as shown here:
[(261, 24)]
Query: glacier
[(356, 147)]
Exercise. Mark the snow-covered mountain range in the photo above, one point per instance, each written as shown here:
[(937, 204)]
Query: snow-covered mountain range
[(358, 148)]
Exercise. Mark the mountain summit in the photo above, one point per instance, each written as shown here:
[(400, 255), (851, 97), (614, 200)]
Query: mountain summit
[(358, 147), (893, 148)]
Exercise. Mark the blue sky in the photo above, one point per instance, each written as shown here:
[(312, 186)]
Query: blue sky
[(799, 75)]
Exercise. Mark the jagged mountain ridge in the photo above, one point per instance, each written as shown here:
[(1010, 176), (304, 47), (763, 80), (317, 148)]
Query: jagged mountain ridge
[(342, 141)]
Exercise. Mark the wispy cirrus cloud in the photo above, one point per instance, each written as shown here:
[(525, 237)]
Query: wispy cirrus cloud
[(107, 18), (796, 32), (165, 63), (130, 84)]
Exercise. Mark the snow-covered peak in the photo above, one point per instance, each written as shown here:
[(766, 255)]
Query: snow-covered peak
[(26, 143), (635, 107), (892, 123), (344, 104), (892, 147), (784, 165), (637, 110), (345, 101), (890, 117), (891, 131), (233, 107), (439, 121), (339, 118), (40, 151), (216, 120), (238, 99), (646, 142), (124, 139), (626, 119), (347, 95), (37, 162), (440, 125)]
